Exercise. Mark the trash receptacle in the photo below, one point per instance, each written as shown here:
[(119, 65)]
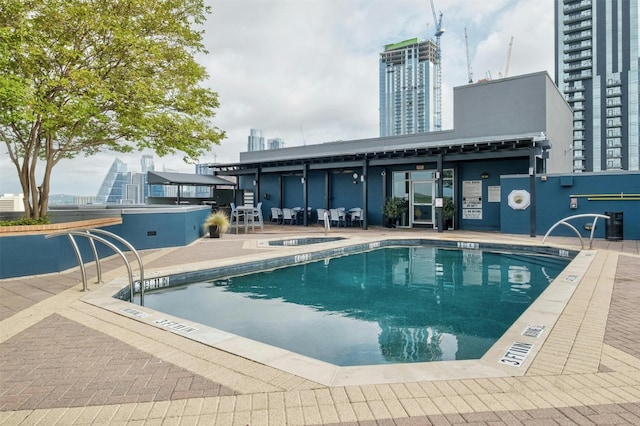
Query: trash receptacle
[(613, 226)]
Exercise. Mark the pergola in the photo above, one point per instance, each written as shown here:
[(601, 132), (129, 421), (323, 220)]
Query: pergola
[(188, 179)]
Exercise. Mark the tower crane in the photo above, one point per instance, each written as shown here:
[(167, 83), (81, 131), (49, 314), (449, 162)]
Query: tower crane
[(466, 43), (438, 86), (506, 68)]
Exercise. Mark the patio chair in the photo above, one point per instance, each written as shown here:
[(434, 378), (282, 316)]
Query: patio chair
[(257, 216), (276, 215), (289, 215), (235, 217), (337, 217), (321, 213), (356, 216)]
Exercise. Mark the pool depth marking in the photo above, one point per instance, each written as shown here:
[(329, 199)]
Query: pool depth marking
[(516, 354), (174, 325), (533, 330)]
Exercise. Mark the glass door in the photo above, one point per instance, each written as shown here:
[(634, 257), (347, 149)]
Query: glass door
[(421, 207)]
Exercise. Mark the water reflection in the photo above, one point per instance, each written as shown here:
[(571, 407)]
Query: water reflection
[(427, 304)]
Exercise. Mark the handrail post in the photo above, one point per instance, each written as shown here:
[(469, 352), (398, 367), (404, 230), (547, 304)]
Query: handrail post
[(83, 271), (96, 258)]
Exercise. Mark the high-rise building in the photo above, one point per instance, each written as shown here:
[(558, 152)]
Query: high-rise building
[(597, 71), (113, 186), (275, 143), (255, 141), (407, 77)]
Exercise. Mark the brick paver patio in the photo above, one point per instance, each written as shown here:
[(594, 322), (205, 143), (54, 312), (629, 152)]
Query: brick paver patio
[(65, 362)]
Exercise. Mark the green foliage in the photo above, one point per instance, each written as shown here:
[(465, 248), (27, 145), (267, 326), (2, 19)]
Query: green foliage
[(448, 209), (395, 207), (25, 221), (79, 77)]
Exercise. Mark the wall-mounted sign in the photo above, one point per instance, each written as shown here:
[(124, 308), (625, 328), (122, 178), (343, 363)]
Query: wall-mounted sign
[(493, 194), (473, 214), (472, 194)]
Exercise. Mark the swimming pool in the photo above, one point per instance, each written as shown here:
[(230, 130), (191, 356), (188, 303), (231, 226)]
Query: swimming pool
[(395, 305)]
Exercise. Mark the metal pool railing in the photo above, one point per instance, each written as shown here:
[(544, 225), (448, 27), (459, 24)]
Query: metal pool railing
[(592, 226), (89, 233)]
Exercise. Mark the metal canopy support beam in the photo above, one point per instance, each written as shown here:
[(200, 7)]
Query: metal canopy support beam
[(532, 191), (365, 194), (305, 195), (256, 187), (440, 192), (327, 190)]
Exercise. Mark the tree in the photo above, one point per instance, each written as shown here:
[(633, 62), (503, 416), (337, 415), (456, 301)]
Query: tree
[(86, 76)]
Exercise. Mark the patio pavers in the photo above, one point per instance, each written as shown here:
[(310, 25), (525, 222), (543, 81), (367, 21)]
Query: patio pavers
[(61, 369)]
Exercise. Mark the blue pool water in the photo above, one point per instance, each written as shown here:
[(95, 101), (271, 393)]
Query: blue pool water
[(391, 305)]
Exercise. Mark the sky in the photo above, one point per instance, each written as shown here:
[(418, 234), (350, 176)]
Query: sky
[(306, 71)]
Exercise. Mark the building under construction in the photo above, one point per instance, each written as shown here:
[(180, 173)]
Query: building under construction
[(407, 83)]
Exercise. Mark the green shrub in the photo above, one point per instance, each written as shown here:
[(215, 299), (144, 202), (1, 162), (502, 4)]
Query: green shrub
[(23, 221)]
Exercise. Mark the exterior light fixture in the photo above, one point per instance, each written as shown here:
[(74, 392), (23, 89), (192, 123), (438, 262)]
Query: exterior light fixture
[(485, 175)]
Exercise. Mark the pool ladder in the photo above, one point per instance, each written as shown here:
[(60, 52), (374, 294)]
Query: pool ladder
[(89, 233), (588, 226)]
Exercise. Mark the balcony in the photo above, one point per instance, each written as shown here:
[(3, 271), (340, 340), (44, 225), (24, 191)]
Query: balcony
[(577, 66), (582, 35), (580, 56), (574, 7), (577, 26), (572, 47), (581, 76), (575, 98), (575, 17)]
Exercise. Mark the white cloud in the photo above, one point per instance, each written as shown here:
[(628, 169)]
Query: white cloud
[(307, 70)]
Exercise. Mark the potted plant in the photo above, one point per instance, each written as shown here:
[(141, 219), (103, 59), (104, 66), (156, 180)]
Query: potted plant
[(448, 211), (217, 223), (394, 209)]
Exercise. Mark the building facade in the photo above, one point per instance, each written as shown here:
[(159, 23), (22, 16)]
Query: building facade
[(597, 71), (275, 143), (407, 76), (255, 140), (462, 167)]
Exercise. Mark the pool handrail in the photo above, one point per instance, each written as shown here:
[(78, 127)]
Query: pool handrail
[(327, 222), (87, 232), (595, 217)]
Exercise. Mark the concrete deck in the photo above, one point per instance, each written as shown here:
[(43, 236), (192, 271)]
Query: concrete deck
[(66, 361)]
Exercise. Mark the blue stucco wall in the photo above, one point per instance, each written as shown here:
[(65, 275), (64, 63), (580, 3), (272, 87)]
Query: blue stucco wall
[(553, 203), (490, 211), (33, 254)]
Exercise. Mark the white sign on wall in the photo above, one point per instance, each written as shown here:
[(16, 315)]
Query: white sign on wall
[(472, 194), (474, 214), (493, 194)]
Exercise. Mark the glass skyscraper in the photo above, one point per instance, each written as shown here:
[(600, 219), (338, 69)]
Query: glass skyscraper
[(255, 140), (407, 76), (113, 188), (597, 71)]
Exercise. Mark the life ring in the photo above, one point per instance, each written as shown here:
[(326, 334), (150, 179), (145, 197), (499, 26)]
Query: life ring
[(519, 199)]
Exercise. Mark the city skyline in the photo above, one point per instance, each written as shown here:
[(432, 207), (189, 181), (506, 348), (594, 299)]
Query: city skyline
[(308, 71)]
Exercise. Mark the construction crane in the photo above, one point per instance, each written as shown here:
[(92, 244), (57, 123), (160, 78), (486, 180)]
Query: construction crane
[(466, 43), (438, 86), (506, 68)]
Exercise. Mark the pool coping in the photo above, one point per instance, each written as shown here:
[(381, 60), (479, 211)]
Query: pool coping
[(502, 360)]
